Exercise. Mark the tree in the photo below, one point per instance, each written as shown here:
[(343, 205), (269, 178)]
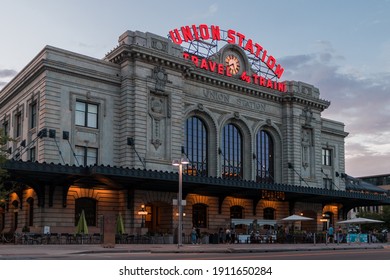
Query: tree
[(4, 190), (383, 216)]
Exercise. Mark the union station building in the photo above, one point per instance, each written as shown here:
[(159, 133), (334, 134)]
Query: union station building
[(100, 135)]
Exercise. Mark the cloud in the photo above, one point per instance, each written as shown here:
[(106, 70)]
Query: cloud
[(211, 11), (6, 73), (359, 99)]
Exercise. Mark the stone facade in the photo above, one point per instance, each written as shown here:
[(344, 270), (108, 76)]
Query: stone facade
[(144, 91)]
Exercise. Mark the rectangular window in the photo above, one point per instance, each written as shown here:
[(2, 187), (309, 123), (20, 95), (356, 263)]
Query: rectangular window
[(86, 114), (18, 124), (33, 114), (86, 156), (5, 128), (326, 157), (327, 184), (32, 155)]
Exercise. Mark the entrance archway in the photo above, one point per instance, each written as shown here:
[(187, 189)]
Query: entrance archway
[(159, 217)]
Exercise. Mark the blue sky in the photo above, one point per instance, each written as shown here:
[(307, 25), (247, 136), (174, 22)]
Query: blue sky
[(341, 47)]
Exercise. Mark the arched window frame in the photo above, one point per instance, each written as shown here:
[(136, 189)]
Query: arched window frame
[(89, 206), (269, 213), (199, 215), (236, 212)]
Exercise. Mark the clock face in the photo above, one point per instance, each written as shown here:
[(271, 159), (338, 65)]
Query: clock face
[(232, 63)]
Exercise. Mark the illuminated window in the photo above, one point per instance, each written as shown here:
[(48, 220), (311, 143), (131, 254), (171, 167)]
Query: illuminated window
[(326, 157), (195, 146), (231, 152), (89, 207), (86, 156), (86, 114), (199, 215), (264, 157)]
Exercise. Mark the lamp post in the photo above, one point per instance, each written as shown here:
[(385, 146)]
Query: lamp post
[(180, 163)]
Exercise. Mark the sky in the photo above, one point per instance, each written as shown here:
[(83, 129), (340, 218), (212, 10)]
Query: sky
[(340, 47)]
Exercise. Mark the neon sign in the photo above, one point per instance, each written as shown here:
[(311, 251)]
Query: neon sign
[(221, 69), (203, 32)]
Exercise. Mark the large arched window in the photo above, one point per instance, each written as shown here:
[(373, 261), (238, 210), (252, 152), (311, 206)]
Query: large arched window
[(264, 157), (269, 213), (89, 207), (195, 147), (236, 212), (231, 152)]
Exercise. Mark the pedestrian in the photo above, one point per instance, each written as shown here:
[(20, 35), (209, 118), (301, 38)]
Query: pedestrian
[(233, 235), (198, 235), (330, 234), (220, 235), (193, 235), (228, 236), (339, 234)]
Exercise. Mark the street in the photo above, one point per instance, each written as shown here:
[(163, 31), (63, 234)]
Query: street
[(354, 254)]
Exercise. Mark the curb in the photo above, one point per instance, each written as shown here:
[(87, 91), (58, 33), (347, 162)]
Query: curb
[(229, 250)]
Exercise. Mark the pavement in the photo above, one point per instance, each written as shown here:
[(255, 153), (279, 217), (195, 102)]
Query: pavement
[(57, 250)]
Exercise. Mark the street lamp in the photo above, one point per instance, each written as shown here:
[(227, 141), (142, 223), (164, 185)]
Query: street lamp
[(180, 163), (143, 213)]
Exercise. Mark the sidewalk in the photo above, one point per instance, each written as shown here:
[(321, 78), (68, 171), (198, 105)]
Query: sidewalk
[(58, 250)]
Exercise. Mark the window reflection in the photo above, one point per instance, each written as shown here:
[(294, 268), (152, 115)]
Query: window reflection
[(231, 152), (195, 147)]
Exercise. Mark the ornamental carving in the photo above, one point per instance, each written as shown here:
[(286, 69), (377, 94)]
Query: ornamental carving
[(161, 78)]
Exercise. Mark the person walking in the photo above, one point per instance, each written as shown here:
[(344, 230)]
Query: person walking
[(193, 235), (330, 234), (228, 236)]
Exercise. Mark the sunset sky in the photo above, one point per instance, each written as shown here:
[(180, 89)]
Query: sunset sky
[(341, 47)]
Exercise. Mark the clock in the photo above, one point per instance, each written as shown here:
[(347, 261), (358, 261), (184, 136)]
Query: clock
[(232, 63)]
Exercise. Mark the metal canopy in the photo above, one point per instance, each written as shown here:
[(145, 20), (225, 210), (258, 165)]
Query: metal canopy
[(40, 174)]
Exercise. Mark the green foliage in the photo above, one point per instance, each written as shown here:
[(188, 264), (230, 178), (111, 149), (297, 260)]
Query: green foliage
[(384, 216), (4, 192)]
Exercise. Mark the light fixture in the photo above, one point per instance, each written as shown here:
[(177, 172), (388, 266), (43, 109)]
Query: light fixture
[(143, 213)]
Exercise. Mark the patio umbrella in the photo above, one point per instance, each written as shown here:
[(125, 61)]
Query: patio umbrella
[(120, 228), (296, 218), (359, 221), (82, 227)]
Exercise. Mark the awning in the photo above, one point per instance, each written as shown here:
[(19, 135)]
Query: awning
[(248, 222)]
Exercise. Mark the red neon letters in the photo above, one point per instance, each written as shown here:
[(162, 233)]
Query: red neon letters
[(213, 32)]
